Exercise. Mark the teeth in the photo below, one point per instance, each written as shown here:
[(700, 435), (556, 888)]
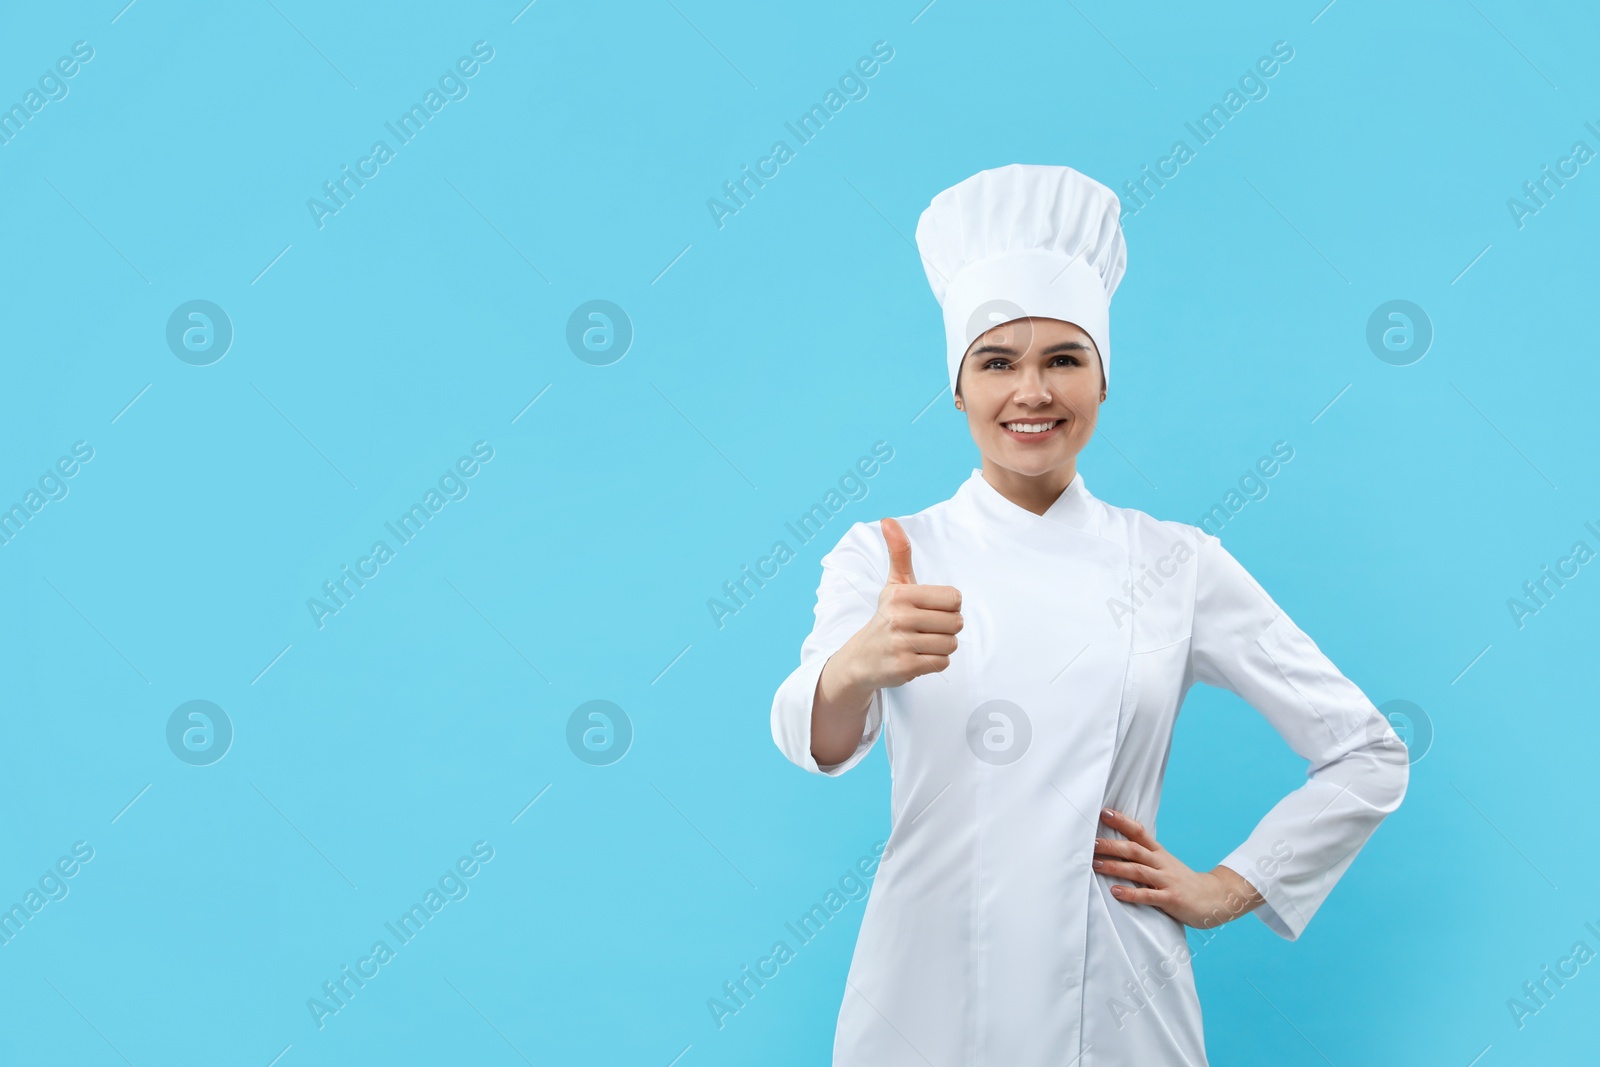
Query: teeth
[(1030, 427)]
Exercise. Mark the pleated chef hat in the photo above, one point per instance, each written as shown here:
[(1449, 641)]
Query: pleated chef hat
[(1019, 241)]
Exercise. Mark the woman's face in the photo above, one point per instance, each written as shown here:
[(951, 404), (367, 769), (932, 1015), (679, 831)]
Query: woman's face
[(1027, 373)]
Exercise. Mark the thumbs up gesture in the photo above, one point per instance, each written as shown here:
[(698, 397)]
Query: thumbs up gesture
[(913, 632)]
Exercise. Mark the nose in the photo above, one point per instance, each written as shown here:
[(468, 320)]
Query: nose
[(1031, 389)]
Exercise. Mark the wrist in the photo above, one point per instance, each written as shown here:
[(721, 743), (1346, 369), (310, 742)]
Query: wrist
[(1241, 897), (843, 680)]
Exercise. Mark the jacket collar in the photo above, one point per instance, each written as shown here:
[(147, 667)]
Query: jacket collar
[(1074, 507)]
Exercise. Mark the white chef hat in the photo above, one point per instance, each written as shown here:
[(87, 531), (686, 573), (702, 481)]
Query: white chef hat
[(1022, 241)]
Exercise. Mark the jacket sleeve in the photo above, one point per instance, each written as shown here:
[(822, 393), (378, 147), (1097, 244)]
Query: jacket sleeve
[(852, 574), (1358, 766)]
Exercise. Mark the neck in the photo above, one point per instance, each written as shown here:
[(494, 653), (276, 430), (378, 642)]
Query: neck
[(1035, 492)]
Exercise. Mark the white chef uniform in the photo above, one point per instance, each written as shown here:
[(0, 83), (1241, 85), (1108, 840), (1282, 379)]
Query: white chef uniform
[(988, 940)]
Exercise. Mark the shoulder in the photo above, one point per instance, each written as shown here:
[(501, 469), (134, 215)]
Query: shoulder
[(857, 537), (930, 520), (1150, 539), (862, 548), (1191, 572), (1189, 557), (1166, 544)]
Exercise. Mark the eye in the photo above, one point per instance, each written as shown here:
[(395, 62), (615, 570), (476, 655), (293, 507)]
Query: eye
[(1000, 362)]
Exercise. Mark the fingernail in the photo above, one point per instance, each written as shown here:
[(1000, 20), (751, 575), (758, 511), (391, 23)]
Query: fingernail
[(1108, 813), (1099, 863)]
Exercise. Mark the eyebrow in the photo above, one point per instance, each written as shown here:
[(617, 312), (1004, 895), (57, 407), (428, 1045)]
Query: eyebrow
[(1007, 350)]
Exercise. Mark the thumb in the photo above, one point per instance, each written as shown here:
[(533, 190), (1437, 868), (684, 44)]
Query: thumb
[(899, 554)]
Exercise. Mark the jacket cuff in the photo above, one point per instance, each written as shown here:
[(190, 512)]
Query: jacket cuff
[(792, 709), (1280, 911)]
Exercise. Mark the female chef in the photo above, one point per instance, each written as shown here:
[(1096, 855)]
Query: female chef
[(1024, 648)]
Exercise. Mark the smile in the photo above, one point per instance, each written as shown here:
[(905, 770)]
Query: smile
[(1032, 431)]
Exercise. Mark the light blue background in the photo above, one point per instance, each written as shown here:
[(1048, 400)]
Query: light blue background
[(371, 353)]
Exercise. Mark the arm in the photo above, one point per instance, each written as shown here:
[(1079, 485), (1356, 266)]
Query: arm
[(820, 710), (1243, 642), (839, 712)]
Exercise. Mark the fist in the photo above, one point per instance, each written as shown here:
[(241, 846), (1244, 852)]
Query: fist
[(913, 632)]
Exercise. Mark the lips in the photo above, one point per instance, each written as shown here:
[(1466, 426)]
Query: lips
[(1033, 432)]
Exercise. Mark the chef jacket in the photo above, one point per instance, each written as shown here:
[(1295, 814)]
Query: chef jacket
[(988, 940)]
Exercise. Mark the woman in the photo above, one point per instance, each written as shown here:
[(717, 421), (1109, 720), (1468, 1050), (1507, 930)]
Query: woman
[(1024, 647)]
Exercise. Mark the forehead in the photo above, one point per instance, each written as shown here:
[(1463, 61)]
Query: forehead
[(1021, 335)]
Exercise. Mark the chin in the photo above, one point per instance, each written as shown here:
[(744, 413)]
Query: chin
[(1029, 462)]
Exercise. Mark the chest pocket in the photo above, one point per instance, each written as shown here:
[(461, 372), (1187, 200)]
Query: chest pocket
[(1159, 603), (1143, 643), (1162, 620), (1159, 595)]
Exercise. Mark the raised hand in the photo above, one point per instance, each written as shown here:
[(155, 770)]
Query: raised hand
[(913, 632)]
